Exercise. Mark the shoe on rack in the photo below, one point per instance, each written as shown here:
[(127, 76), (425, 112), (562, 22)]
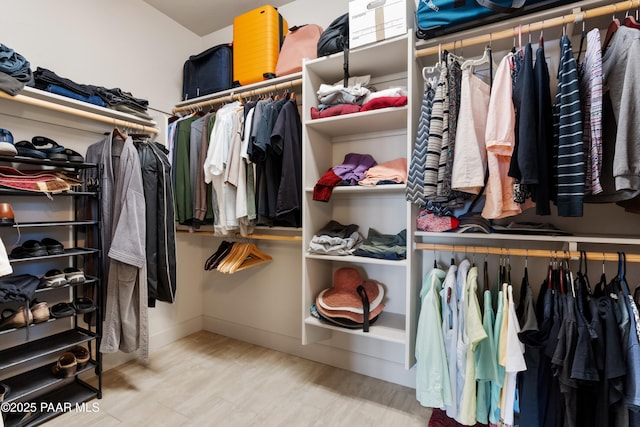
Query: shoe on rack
[(6, 214), (54, 278), (49, 147), (53, 246), (10, 319), (6, 143), (62, 309), (82, 356), (39, 311), (66, 366), (84, 305), (4, 391), (74, 275), (27, 149), (30, 248)]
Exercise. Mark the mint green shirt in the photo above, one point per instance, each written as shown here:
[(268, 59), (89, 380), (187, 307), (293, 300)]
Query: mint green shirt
[(486, 363), (433, 388)]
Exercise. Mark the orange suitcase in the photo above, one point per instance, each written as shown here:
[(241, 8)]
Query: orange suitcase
[(257, 38)]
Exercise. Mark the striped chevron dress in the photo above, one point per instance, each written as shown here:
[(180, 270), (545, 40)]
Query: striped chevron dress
[(415, 180)]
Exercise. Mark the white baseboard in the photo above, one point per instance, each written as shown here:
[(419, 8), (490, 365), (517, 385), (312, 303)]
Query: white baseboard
[(156, 341), (355, 362), (181, 330)]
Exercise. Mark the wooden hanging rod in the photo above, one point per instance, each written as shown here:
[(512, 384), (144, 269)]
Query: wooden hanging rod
[(274, 237), (537, 253), (240, 94), (77, 112), (558, 21)]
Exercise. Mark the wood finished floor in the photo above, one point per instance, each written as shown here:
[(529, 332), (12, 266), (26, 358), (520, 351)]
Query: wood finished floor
[(209, 380)]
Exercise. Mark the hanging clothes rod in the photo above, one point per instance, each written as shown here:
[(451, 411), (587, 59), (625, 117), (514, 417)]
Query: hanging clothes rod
[(537, 253), (274, 237), (240, 94), (79, 113), (558, 21)]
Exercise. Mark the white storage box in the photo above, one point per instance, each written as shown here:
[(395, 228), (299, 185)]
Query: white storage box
[(375, 20)]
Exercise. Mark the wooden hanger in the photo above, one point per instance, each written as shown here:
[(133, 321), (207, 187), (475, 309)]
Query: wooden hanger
[(118, 133), (242, 256), (226, 262), (631, 22), (253, 257), (611, 30)]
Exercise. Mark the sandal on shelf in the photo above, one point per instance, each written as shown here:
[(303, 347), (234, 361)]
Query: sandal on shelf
[(54, 279), (62, 309), (52, 150), (66, 366), (84, 305), (73, 156), (82, 355), (53, 246), (30, 248), (13, 319), (74, 275), (39, 311), (27, 149)]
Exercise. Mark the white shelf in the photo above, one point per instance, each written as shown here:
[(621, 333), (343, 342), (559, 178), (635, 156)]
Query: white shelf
[(387, 134), (385, 57), (615, 240), (57, 100), (39, 106), (241, 89), (363, 122), (388, 327), (361, 189), (357, 260)]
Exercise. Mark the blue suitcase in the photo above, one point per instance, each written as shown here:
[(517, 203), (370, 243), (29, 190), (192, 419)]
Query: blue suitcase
[(208, 72), (438, 17)]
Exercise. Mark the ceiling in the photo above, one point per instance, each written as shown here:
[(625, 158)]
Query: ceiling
[(206, 16)]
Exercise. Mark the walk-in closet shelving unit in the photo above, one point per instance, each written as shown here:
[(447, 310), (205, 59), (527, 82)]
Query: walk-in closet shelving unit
[(386, 134), (276, 86), (605, 228), (26, 365), (264, 88), (28, 354)]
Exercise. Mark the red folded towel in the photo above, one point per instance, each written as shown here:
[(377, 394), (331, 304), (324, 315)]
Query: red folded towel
[(384, 102)]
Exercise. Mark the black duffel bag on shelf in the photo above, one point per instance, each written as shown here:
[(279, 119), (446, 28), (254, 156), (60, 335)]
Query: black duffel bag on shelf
[(208, 72), (435, 18)]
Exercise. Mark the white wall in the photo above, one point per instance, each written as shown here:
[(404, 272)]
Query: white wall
[(263, 305), (296, 13), (115, 43)]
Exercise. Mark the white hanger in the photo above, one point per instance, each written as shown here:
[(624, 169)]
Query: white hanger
[(433, 69), (479, 61)]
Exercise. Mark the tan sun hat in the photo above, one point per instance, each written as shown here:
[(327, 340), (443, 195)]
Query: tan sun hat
[(344, 293), (351, 298)]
